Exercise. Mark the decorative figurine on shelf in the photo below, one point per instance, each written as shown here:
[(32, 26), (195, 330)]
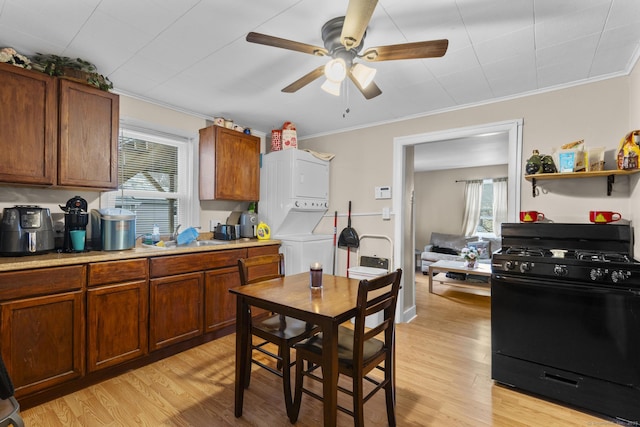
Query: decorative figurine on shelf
[(534, 163), (540, 163), (548, 165)]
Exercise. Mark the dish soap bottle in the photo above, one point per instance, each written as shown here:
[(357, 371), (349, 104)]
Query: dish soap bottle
[(155, 236), (263, 231)]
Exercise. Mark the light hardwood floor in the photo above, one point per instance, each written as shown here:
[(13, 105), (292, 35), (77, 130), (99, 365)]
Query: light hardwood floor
[(443, 379)]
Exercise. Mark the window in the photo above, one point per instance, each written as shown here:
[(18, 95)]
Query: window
[(493, 207), (153, 179), (485, 225)]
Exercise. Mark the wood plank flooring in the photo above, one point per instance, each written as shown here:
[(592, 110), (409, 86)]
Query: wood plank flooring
[(443, 379)]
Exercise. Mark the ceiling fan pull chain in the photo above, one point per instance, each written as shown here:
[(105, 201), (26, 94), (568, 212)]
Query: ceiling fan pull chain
[(346, 95)]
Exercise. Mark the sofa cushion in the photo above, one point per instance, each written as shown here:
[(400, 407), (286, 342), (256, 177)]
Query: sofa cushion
[(451, 241), (441, 250)]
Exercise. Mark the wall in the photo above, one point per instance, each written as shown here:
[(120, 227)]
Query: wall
[(596, 112), (439, 199)]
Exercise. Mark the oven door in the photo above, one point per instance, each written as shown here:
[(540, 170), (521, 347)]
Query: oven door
[(585, 329)]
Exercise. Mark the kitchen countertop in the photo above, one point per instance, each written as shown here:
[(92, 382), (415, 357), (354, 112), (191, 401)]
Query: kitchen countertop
[(55, 259)]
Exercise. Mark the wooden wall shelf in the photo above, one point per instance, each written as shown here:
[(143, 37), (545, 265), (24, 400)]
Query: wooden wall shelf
[(610, 174)]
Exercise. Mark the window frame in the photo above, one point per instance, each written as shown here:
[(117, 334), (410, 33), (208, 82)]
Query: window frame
[(188, 214)]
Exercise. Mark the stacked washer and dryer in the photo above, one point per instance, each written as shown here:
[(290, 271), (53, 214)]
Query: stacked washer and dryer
[(294, 196)]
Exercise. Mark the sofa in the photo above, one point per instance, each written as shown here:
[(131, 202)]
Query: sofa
[(447, 247)]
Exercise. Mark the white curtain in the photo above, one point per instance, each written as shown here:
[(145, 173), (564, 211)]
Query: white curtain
[(472, 197), (499, 205)]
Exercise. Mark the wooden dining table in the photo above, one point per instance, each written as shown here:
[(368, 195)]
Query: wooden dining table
[(327, 307)]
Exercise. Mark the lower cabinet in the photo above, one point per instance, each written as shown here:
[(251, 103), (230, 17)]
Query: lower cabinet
[(43, 340), (116, 323), (117, 312), (175, 309), (220, 304), (66, 326)]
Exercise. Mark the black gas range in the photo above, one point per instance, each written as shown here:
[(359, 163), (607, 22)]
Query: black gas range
[(565, 315), (588, 253)]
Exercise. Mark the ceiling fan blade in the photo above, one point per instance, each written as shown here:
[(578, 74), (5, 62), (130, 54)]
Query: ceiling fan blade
[(428, 49), (371, 91), (286, 44), (355, 22), (304, 80)]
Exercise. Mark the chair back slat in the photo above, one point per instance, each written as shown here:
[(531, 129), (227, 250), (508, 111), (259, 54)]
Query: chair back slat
[(259, 268), (376, 295)]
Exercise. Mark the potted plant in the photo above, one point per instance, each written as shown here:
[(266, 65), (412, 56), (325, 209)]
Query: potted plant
[(78, 69)]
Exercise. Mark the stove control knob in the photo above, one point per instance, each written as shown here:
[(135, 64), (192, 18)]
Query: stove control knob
[(619, 276), (560, 270), (509, 265), (524, 267), (596, 274)]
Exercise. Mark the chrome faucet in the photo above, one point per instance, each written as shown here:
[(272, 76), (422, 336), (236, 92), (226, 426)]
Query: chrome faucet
[(175, 232)]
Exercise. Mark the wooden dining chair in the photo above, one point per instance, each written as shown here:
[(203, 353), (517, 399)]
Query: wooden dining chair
[(283, 331), (359, 350)]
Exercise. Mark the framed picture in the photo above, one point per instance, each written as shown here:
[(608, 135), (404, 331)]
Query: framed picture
[(483, 247)]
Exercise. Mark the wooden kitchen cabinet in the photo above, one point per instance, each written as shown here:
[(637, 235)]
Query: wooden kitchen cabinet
[(117, 312), (175, 309), (220, 304), (88, 136), (56, 132), (43, 326), (28, 119), (229, 165)]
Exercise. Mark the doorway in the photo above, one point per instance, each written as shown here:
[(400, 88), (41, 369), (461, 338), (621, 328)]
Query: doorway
[(403, 173)]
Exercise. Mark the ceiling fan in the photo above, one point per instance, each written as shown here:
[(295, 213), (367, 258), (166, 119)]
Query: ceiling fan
[(343, 39)]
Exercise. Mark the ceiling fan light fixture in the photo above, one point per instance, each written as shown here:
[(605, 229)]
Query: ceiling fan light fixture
[(335, 70), (331, 87), (363, 74)]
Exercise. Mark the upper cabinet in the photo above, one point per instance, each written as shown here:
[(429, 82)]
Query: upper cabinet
[(229, 165), (28, 126), (88, 136), (56, 132)]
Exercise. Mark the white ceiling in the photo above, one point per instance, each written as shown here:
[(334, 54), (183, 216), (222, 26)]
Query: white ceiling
[(192, 54)]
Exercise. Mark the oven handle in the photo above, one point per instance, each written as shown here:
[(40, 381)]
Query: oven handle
[(558, 284)]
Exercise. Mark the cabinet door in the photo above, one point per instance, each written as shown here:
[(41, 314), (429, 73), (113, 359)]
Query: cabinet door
[(28, 126), (116, 323), (220, 304), (43, 340), (88, 137), (229, 165), (175, 309)]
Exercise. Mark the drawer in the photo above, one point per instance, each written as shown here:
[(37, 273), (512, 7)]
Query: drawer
[(28, 283), (180, 264), (102, 273)]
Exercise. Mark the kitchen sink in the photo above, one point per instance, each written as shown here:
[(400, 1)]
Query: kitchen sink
[(171, 244), (208, 242)]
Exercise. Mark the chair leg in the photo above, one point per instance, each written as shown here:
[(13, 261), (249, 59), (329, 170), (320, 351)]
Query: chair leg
[(358, 401), (390, 390), (248, 365), (297, 398), (280, 364), (285, 353)]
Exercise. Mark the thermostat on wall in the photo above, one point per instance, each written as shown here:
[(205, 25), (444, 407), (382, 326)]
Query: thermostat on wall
[(383, 192)]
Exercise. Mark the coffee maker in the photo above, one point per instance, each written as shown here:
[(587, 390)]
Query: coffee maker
[(75, 218)]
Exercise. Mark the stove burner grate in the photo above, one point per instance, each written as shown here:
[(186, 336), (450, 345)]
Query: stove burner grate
[(602, 256), (580, 255)]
